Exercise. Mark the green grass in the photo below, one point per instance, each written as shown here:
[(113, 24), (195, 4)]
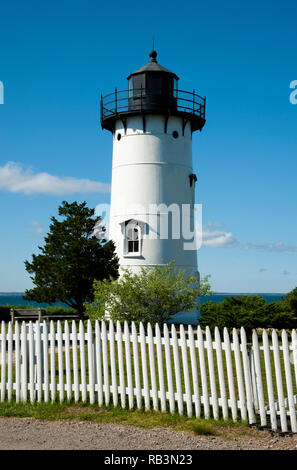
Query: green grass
[(111, 414)]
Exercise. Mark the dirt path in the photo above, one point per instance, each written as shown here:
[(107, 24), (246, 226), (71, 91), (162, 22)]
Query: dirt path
[(33, 434)]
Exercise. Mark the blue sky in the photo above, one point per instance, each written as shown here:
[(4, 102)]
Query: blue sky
[(57, 57)]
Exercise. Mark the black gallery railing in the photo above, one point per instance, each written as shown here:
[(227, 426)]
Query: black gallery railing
[(143, 100)]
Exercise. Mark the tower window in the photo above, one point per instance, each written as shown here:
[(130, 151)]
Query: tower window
[(119, 136), (132, 238), (175, 134), (130, 88)]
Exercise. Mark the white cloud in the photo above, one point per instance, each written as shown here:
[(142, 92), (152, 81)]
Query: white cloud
[(38, 230), (14, 179), (217, 238), (215, 225), (274, 247), (34, 223)]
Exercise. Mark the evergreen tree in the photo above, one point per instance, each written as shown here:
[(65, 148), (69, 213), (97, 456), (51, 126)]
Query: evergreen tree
[(71, 259)]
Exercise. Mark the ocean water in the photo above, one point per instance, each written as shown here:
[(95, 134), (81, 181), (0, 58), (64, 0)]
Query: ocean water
[(16, 298)]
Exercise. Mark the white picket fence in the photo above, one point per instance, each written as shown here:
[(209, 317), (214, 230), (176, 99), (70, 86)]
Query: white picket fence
[(176, 369)]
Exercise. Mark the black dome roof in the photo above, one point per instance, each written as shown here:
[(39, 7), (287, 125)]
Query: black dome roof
[(152, 66)]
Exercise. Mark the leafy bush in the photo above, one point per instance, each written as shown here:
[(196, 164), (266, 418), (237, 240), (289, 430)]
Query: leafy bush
[(247, 311), (154, 295), (291, 298)]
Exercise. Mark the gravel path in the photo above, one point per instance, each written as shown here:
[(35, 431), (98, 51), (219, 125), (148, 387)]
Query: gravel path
[(33, 434)]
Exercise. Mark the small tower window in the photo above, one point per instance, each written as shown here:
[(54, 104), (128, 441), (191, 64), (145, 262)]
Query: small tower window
[(132, 239), (130, 87), (175, 134)]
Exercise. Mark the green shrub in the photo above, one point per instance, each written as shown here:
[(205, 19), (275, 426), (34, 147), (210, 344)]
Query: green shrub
[(247, 311), (153, 295)]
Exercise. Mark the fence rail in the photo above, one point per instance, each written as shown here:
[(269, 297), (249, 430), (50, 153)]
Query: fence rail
[(195, 373)]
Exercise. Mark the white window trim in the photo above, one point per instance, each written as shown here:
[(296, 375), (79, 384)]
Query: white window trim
[(132, 254)]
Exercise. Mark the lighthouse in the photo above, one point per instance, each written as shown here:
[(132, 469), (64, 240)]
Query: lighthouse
[(153, 182)]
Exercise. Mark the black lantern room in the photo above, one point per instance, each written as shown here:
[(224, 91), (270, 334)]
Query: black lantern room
[(152, 89)]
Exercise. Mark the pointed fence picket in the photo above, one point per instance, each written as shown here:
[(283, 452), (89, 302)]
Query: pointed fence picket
[(205, 395), (259, 381), (121, 365), (130, 389), (219, 355), (3, 361), (161, 377), (136, 366), (194, 373), (146, 389), (75, 362), (46, 362), (9, 363), (194, 370), (53, 385), (98, 362), (212, 377), (169, 370), (152, 367), (230, 375)]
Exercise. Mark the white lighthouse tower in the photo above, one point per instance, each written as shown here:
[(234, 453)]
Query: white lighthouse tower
[(153, 183)]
